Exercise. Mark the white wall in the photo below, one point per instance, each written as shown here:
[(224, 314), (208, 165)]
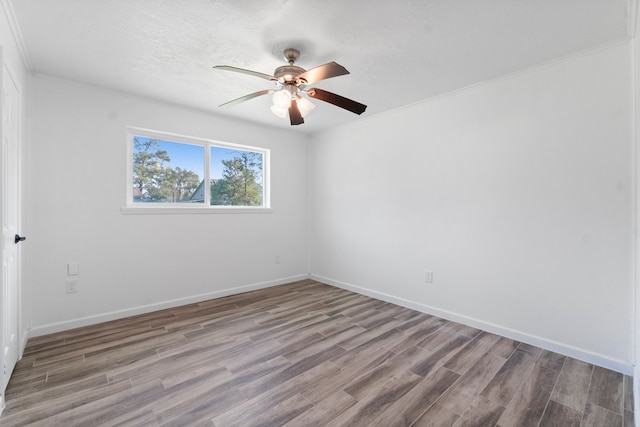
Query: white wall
[(135, 263), (516, 194)]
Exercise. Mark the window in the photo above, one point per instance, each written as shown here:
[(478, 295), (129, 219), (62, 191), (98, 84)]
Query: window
[(172, 171)]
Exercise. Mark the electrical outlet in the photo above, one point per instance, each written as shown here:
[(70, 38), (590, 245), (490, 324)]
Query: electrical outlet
[(72, 286), (276, 259), (428, 276)]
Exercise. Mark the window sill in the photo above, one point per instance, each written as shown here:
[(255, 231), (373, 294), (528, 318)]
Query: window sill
[(163, 210)]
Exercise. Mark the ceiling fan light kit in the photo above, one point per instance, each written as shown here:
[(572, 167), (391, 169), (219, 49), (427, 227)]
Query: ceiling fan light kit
[(280, 112), (293, 81), (304, 105)]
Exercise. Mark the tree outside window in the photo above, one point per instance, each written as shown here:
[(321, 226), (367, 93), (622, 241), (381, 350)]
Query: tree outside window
[(241, 181)]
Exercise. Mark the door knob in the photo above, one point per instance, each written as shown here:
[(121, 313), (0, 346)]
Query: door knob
[(19, 239)]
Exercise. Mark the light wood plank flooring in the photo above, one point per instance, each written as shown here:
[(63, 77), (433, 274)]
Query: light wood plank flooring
[(304, 354)]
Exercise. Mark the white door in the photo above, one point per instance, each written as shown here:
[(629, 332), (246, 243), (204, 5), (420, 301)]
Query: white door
[(10, 133)]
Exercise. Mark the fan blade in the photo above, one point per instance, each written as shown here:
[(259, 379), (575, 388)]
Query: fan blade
[(294, 114), (340, 101), (243, 71), (246, 98), (322, 72)]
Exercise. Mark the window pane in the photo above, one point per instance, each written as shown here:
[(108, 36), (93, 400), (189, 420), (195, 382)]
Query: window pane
[(236, 177), (167, 172)]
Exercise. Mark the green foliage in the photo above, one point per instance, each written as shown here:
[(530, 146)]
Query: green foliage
[(241, 182), (157, 182)]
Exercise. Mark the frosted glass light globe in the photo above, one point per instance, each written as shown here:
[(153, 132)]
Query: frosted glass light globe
[(282, 98), (280, 112)]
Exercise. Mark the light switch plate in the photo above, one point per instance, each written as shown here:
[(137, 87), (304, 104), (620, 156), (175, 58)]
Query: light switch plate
[(72, 269)]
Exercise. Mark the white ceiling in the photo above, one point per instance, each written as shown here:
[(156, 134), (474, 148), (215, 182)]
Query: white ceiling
[(398, 52)]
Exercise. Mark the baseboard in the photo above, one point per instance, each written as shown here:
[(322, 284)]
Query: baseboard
[(567, 350), (119, 314)]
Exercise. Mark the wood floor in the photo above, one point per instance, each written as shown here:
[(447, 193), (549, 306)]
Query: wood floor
[(304, 354)]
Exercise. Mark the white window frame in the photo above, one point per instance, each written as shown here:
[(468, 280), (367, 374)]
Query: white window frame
[(132, 208)]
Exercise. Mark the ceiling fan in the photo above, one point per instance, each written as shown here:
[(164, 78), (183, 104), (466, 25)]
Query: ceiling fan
[(291, 82)]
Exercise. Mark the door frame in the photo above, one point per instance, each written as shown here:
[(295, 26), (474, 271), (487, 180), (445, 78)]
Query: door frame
[(14, 293)]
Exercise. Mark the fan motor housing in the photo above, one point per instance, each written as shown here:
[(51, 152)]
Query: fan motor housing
[(288, 73)]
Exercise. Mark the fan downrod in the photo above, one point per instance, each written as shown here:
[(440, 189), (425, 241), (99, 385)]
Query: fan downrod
[(291, 55)]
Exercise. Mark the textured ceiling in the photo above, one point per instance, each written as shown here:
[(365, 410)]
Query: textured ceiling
[(398, 52)]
